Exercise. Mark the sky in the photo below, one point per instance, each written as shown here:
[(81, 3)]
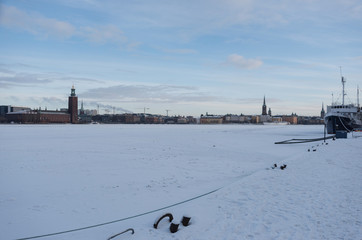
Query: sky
[(187, 57)]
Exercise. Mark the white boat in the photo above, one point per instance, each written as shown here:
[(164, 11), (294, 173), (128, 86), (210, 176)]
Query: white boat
[(343, 117)]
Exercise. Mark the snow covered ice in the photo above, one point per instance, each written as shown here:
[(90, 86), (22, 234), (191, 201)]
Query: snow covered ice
[(56, 178)]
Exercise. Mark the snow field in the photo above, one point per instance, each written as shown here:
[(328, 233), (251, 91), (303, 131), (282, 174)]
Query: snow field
[(61, 177)]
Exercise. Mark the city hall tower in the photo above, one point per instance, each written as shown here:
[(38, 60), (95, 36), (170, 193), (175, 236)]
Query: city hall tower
[(73, 106)]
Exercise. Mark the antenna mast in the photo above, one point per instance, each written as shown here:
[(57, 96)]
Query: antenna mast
[(357, 96), (343, 82), (167, 110), (332, 99)]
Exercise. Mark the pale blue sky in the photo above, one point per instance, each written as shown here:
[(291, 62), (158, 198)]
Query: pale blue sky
[(190, 57)]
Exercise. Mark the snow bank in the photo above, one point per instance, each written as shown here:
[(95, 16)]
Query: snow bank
[(62, 177)]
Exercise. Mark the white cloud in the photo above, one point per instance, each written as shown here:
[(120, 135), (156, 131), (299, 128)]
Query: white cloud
[(39, 25), (180, 51), (150, 94), (243, 63), (12, 17), (103, 34)]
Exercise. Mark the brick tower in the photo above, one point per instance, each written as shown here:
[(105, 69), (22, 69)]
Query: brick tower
[(73, 106)]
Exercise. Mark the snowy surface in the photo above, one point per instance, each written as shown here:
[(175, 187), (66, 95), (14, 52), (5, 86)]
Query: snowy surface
[(55, 178)]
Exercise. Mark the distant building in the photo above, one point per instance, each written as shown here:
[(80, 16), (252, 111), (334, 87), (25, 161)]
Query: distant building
[(255, 119), (81, 112), (73, 106), (265, 118), (38, 116), (276, 119), (191, 120), (132, 118), (211, 119), (310, 120), (179, 120), (153, 119), (231, 118), (4, 109), (182, 120), (292, 119), (26, 115), (264, 108), (322, 112)]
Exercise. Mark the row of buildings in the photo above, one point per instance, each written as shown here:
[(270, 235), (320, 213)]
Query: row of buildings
[(27, 115), (266, 117), (259, 119), (138, 118), (73, 115)]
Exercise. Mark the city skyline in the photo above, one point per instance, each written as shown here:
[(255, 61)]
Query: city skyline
[(187, 57)]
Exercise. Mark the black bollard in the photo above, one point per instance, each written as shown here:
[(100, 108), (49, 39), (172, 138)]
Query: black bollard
[(185, 221), (174, 227)]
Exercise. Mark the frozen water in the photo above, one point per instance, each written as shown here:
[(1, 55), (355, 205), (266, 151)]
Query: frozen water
[(55, 178)]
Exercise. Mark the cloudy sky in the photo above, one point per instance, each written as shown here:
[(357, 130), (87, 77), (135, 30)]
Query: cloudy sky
[(189, 56)]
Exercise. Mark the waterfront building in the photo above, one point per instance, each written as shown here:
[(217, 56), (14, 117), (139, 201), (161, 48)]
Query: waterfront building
[(26, 115)]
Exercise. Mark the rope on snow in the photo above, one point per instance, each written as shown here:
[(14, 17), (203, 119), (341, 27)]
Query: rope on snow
[(129, 229), (291, 141)]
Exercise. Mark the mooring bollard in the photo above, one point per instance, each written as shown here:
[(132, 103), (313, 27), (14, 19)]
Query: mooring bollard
[(185, 221), (282, 167), (174, 227)]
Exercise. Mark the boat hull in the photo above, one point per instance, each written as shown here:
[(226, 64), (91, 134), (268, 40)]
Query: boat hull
[(339, 123)]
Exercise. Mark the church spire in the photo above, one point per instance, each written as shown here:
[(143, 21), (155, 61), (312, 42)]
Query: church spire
[(264, 108), (322, 112)]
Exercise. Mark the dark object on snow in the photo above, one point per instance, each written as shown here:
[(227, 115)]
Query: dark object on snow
[(341, 134), (308, 150), (314, 150), (282, 167), (174, 227), (169, 215), (274, 166), (129, 229), (185, 221), (294, 140)]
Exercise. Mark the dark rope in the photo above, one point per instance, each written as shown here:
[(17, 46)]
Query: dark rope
[(129, 229), (122, 219), (348, 130), (292, 141)]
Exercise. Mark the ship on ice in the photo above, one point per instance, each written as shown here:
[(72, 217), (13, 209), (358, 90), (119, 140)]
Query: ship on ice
[(343, 117)]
